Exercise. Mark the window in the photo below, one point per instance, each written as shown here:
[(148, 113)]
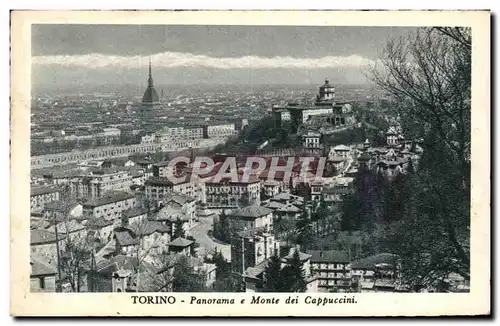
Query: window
[(42, 282)]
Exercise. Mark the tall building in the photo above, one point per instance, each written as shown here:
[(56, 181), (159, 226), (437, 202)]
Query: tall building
[(150, 99)]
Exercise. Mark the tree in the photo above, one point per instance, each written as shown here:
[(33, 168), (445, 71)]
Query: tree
[(221, 228), (293, 275), (429, 74), (225, 280), (75, 262), (304, 228), (178, 231), (188, 278), (273, 279)]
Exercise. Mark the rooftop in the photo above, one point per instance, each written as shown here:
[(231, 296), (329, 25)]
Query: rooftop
[(40, 266), (67, 227), (179, 198), (98, 223), (43, 237), (148, 227), (135, 211), (126, 237), (180, 242), (302, 255), (42, 190), (161, 181), (371, 261), (61, 206), (108, 198), (328, 256), (252, 211)]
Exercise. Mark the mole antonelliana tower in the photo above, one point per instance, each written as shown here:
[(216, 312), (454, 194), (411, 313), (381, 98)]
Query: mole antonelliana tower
[(150, 99)]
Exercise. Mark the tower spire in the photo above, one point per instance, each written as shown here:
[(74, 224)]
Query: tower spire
[(150, 78), (149, 66)]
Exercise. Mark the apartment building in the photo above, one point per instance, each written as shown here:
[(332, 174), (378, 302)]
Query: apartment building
[(250, 217), (98, 181), (331, 268), (158, 188), (41, 195), (220, 130), (110, 206), (231, 194)]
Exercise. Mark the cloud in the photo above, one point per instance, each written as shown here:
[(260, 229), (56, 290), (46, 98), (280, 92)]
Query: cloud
[(178, 59)]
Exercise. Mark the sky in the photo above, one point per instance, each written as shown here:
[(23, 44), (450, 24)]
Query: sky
[(119, 54)]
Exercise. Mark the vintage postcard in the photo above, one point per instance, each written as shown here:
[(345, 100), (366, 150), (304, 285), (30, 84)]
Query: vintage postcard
[(250, 163)]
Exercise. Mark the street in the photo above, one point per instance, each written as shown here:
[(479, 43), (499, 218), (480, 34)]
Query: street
[(208, 244)]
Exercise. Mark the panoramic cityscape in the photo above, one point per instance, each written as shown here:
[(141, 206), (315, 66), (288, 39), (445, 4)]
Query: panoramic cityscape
[(180, 163)]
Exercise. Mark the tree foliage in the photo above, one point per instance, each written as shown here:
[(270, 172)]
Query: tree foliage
[(428, 74), (178, 231), (303, 226), (187, 278), (290, 278)]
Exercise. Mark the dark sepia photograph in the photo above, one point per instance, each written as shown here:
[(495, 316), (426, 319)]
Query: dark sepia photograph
[(333, 161)]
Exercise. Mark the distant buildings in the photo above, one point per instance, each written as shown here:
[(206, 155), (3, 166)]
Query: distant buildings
[(159, 188), (109, 206), (219, 130), (226, 193), (325, 107), (98, 181), (41, 195)]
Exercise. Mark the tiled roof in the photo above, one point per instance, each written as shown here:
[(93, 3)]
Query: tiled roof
[(328, 256), (180, 242), (67, 227), (40, 266), (60, 205), (371, 261), (256, 271), (42, 190), (169, 213), (126, 237), (98, 223), (148, 227), (302, 255), (253, 211), (108, 198), (285, 196), (135, 211), (160, 181), (275, 205), (178, 198), (289, 208), (116, 263), (43, 237)]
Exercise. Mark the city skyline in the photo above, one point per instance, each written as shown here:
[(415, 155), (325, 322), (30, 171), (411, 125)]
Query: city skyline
[(98, 54)]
